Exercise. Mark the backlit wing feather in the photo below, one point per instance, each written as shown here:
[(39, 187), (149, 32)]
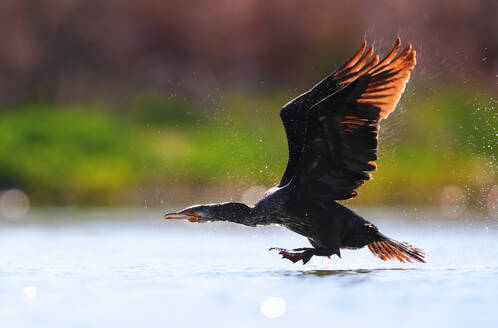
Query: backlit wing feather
[(335, 134)]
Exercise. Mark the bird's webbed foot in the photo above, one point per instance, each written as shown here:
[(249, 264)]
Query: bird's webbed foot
[(297, 254)]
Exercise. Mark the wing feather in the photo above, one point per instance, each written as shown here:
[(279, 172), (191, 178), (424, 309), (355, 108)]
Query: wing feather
[(338, 123)]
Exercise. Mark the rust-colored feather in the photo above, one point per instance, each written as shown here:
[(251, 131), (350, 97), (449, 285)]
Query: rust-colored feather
[(390, 56), (400, 255), (362, 61), (394, 250), (377, 252), (352, 60)]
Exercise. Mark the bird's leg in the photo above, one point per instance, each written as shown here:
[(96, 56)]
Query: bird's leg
[(304, 254), (293, 255)]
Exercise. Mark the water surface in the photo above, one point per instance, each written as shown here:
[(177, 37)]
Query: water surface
[(129, 268)]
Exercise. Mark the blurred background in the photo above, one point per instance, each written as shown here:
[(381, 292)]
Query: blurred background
[(114, 112), (156, 103)]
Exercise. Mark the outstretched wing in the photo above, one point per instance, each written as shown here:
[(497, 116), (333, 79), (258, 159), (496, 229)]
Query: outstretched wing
[(340, 143), (294, 113)]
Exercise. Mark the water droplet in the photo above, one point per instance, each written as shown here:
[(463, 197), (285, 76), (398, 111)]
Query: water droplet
[(452, 202)]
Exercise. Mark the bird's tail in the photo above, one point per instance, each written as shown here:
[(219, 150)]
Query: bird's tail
[(386, 248)]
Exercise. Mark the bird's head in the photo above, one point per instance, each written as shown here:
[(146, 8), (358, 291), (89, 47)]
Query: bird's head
[(211, 212)]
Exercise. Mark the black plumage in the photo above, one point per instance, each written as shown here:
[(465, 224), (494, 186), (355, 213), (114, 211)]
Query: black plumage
[(332, 135)]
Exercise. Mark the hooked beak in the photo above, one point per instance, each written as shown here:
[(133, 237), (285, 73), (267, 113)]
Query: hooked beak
[(191, 216)]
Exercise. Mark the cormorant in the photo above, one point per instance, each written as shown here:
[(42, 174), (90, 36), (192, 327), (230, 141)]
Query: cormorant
[(332, 136)]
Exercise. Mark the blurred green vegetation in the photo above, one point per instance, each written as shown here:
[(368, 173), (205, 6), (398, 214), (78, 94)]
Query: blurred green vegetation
[(95, 154)]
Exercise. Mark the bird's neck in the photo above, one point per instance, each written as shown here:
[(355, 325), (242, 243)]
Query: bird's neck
[(239, 213), (251, 217)]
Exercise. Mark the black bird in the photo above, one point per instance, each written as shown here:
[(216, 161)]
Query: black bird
[(332, 135)]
